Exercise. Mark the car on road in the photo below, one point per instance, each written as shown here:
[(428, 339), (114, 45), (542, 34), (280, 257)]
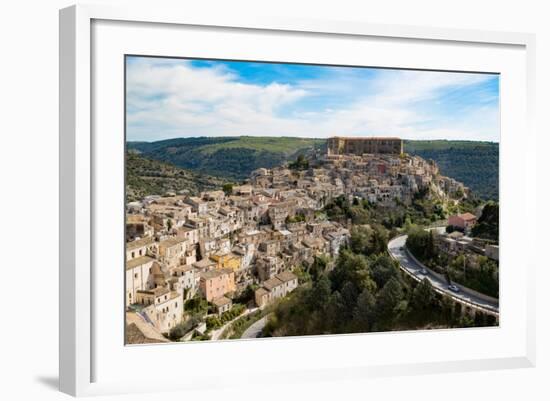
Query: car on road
[(401, 248), (423, 272), (453, 288)]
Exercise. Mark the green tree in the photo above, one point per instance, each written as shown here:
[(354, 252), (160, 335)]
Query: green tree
[(213, 322), (388, 303), (369, 240), (349, 267), (380, 239), (466, 321), (335, 316), (360, 238), (423, 296), (183, 328), (246, 295), (302, 274), (349, 298), (421, 243), (359, 215), (487, 276), (318, 267), (488, 223), (319, 294), (228, 188), (301, 163), (383, 269), (363, 313)]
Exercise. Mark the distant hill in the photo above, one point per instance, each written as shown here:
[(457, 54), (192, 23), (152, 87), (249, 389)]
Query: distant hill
[(231, 157), (473, 163), (151, 177)]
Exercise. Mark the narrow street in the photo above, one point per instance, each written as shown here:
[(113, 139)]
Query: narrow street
[(215, 334), (256, 328)]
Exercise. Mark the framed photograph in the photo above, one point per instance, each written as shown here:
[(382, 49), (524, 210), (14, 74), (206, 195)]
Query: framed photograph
[(294, 198)]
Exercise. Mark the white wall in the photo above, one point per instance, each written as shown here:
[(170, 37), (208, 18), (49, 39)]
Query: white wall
[(29, 153)]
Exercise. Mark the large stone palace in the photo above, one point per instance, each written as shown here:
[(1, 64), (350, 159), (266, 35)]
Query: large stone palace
[(360, 145)]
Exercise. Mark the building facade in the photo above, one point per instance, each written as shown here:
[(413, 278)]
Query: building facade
[(359, 146)]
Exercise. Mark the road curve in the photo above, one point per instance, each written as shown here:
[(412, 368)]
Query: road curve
[(255, 329), (396, 248), (215, 335)]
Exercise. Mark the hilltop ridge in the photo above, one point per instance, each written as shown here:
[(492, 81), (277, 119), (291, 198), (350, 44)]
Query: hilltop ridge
[(474, 163)]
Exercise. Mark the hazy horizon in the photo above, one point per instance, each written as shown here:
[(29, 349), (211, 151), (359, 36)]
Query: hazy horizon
[(303, 137)]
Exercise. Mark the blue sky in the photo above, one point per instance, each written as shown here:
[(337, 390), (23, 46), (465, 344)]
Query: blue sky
[(170, 98)]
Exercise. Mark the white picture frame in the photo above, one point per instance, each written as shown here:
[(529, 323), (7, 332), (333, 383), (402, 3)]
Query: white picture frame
[(79, 345)]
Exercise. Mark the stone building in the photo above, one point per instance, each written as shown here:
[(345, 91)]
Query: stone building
[(222, 305), (464, 221), (163, 308), (217, 283), (361, 145), (138, 277), (275, 288)]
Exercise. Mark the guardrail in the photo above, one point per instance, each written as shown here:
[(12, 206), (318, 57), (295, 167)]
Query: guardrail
[(464, 289), (444, 293)]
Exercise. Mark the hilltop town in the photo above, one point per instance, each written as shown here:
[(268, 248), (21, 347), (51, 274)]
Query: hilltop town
[(233, 251)]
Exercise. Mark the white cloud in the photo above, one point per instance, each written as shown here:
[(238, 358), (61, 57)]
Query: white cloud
[(169, 99)]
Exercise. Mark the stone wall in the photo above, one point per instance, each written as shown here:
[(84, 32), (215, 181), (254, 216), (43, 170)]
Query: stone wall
[(359, 146)]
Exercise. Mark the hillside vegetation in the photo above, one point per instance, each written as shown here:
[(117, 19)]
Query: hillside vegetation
[(488, 223), (473, 163), (230, 157), (364, 291), (151, 177)]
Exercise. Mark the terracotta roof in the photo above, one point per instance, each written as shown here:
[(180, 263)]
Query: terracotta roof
[(467, 216)]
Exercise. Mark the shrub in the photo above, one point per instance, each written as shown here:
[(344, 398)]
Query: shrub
[(213, 323), (183, 328), (231, 314)]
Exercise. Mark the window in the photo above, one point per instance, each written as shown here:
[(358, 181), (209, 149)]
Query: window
[(135, 275), (133, 254)]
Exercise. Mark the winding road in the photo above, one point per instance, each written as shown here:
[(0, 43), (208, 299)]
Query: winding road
[(396, 248), (215, 335), (255, 329)]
